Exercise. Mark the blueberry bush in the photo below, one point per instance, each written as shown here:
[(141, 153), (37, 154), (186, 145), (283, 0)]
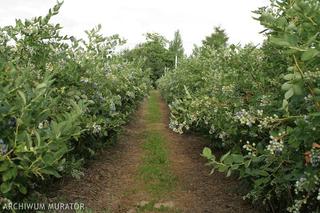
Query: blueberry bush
[(61, 100), (261, 105)]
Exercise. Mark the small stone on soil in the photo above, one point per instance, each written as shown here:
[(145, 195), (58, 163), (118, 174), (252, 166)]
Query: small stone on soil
[(132, 211), (168, 204), (143, 203)]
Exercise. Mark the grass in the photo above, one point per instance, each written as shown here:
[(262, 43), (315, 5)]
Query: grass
[(154, 114), (155, 170), (88, 210), (150, 208), (155, 167)]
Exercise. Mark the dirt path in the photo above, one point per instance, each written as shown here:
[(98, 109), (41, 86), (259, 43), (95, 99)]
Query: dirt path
[(121, 179)]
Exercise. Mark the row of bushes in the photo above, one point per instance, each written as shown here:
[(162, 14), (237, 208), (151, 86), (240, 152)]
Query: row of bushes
[(261, 105), (61, 99)]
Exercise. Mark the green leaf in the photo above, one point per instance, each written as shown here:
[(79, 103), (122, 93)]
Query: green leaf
[(228, 160), (261, 181), (38, 138), (289, 94), (187, 92), (207, 153), (286, 86), (5, 187), (285, 104), (247, 163), (235, 166), (316, 91), (297, 89), (4, 166), (289, 77), (309, 54), (237, 158), (23, 96), (224, 156), (295, 143), (263, 173), (10, 174), (42, 85), (280, 42), (50, 171), (222, 168), (212, 171), (48, 158), (22, 188), (229, 173)]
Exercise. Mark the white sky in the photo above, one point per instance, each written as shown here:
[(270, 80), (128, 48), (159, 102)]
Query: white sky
[(132, 18)]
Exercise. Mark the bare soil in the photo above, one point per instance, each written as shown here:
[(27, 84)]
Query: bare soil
[(111, 182)]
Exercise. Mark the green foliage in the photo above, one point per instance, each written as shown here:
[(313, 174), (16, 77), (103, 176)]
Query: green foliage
[(260, 104), (216, 40), (155, 55), (61, 99), (176, 46)]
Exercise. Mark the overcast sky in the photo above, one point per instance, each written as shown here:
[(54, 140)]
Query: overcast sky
[(132, 18)]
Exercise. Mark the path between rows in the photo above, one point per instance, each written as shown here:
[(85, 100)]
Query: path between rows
[(120, 179)]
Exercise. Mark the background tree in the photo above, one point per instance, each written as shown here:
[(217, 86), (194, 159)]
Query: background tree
[(154, 55), (217, 39), (176, 46)]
